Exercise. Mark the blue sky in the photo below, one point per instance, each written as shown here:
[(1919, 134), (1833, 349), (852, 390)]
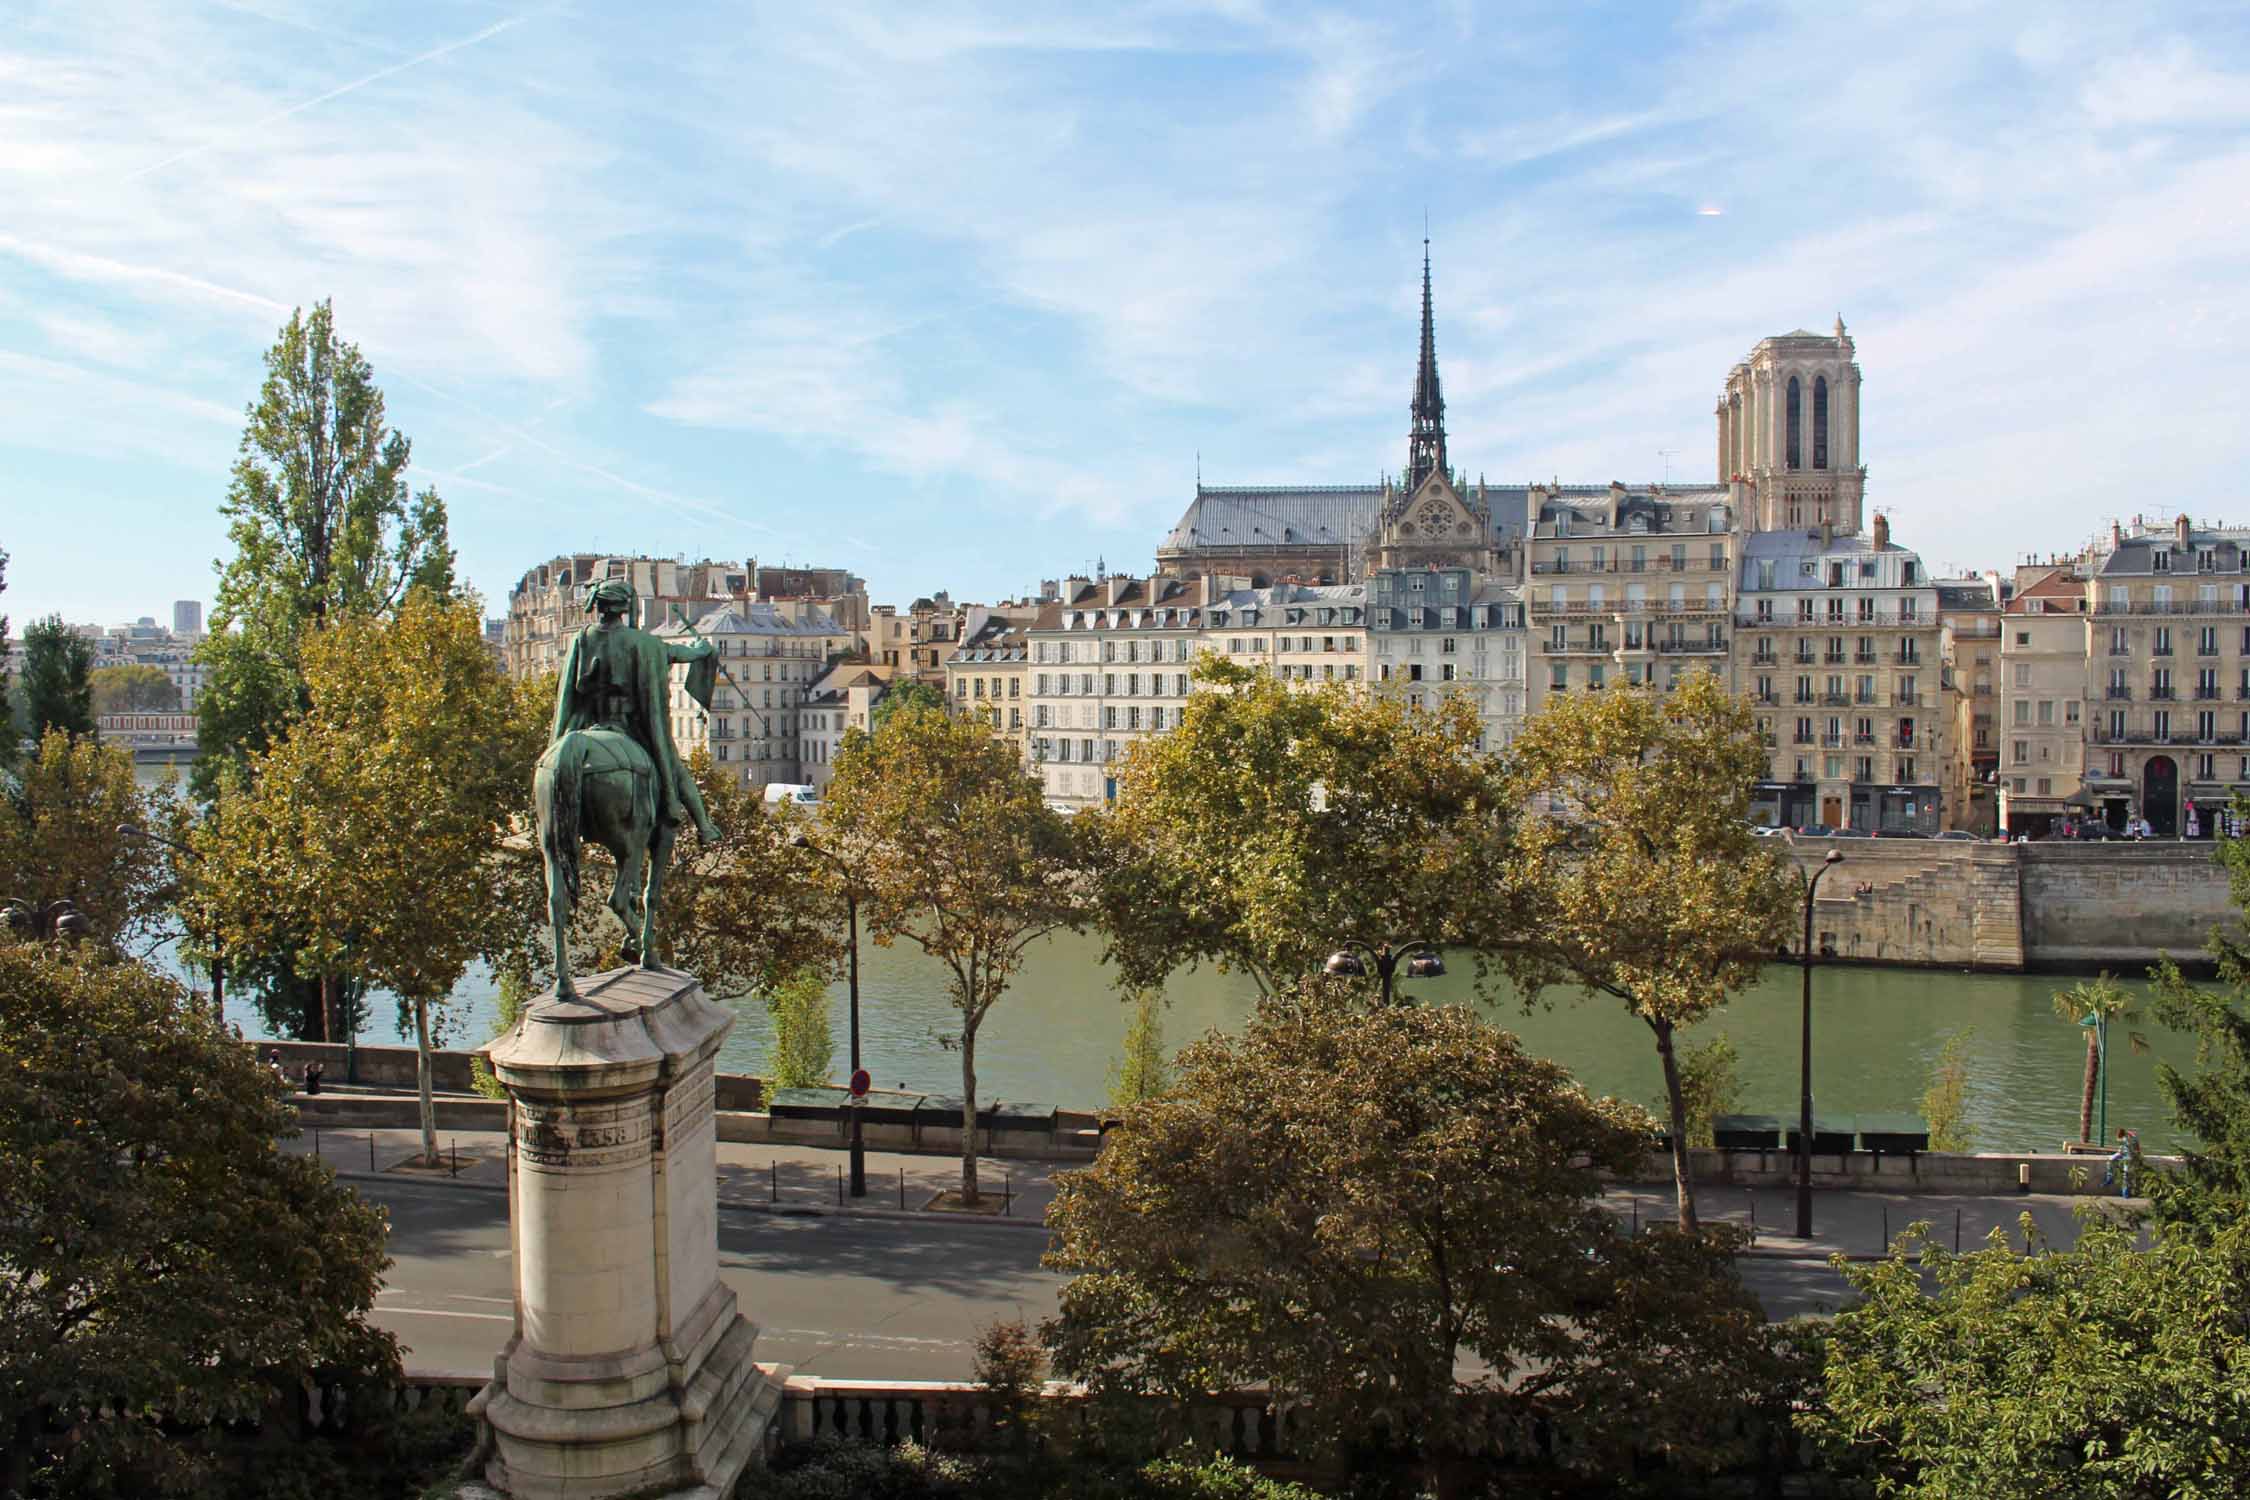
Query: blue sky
[(954, 296)]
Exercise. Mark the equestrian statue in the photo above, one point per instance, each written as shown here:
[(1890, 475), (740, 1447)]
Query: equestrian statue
[(610, 774)]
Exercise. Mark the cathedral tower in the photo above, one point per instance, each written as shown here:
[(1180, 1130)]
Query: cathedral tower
[(1789, 434)]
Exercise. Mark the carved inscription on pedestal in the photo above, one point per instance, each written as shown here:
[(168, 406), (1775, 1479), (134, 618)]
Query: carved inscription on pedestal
[(580, 1136), (689, 1106)]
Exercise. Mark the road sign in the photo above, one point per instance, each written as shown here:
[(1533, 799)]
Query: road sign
[(861, 1083)]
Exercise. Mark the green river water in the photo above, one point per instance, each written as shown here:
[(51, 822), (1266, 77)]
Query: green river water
[(1053, 1038)]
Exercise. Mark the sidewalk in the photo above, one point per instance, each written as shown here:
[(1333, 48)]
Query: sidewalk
[(806, 1179), (810, 1179)]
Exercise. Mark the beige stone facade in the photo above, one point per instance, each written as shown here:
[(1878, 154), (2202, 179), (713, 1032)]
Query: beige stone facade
[(1112, 668), (1969, 625), (2041, 707), (767, 666), (548, 604), (2168, 673)]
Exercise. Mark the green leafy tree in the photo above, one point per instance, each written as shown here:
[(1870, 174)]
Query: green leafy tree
[(163, 1264), (8, 733), (753, 911), (1275, 825), (803, 1045), (2107, 1370), (136, 689), (323, 526), (900, 697), (1945, 1104), (2104, 997), (57, 688), (1640, 869), (959, 855), (1141, 1071), (1391, 1219), (61, 839), (1711, 1085), (371, 836)]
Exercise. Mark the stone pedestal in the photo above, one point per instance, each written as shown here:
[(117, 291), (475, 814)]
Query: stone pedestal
[(629, 1372)]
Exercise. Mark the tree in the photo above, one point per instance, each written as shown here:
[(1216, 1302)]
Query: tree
[(323, 526), (1273, 826), (8, 739), (2106, 998), (1945, 1103), (1141, 1071), (753, 911), (1711, 1085), (369, 842), (803, 1045), (57, 688), (1391, 1219), (163, 1264), (1645, 881), (960, 855), (136, 689), (61, 839), (901, 696), (2103, 1370)]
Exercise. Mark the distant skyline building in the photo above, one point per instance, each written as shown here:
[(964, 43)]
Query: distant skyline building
[(187, 617)]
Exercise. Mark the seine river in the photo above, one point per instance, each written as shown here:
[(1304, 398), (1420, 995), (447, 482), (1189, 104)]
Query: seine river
[(1054, 1036)]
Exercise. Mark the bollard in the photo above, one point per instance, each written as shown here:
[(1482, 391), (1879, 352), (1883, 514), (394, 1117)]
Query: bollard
[(1886, 1246), (316, 1145), (1008, 1194), (1957, 1231), (455, 1144), (371, 1151), (1753, 1197), (902, 1187), (839, 1187), (773, 1192), (2023, 1177)]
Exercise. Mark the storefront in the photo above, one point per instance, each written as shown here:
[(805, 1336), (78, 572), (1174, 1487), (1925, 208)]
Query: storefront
[(1782, 804), (1895, 809)]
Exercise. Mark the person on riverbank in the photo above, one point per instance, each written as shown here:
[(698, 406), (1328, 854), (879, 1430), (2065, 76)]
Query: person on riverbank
[(2120, 1169), (314, 1072)]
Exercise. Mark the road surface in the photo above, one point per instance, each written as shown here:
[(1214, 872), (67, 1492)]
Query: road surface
[(843, 1296)]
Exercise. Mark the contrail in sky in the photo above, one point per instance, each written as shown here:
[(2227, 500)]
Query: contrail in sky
[(341, 89)]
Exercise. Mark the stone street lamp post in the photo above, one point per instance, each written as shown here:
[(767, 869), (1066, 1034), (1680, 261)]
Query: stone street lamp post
[(1804, 1061)]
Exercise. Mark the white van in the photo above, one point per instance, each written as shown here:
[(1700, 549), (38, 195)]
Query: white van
[(790, 791)]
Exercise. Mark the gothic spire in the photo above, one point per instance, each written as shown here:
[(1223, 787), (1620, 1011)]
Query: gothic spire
[(1425, 442)]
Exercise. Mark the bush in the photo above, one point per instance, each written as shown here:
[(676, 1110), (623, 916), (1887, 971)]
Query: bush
[(835, 1469)]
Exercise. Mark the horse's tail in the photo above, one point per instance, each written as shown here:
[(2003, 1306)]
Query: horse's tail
[(564, 783)]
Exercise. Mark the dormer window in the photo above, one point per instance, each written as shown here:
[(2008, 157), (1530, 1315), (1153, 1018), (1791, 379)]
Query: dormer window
[(2160, 558)]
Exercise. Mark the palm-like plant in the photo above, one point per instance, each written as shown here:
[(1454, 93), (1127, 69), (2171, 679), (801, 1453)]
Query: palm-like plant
[(2095, 1004)]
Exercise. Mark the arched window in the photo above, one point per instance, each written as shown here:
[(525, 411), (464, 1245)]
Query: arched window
[(1793, 455), (1820, 422)]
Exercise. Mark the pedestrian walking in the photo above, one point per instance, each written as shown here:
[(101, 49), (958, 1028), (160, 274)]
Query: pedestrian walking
[(273, 1065)]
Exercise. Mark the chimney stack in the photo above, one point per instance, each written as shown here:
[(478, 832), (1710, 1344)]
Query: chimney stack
[(2181, 527), (1882, 532)]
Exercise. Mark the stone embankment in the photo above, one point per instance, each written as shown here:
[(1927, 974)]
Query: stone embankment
[(2016, 906)]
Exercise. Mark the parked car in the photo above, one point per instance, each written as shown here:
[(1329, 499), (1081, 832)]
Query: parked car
[(1899, 833), (1850, 833), (1815, 831), (1956, 836)]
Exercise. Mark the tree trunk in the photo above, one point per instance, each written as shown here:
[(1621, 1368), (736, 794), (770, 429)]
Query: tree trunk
[(1678, 1101), (969, 1197), (422, 1081), (328, 1007), (2086, 1100)]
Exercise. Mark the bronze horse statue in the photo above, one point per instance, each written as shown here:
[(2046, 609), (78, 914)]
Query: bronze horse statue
[(598, 786), (611, 776)]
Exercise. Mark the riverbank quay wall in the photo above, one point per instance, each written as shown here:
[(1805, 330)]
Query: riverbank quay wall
[(1946, 904)]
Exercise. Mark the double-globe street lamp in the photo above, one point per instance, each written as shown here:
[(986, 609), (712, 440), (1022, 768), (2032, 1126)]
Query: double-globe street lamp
[(1419, 956), (56, 919), (851, 918), (1804, 1061)]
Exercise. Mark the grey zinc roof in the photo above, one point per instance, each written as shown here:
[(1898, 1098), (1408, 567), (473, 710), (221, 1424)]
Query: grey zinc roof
[(757, 619), (1295, 515), (1315, 515), (2135, 556), (1964, 593)]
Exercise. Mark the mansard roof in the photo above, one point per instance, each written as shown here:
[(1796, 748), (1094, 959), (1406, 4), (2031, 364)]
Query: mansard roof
[(1308, 515)]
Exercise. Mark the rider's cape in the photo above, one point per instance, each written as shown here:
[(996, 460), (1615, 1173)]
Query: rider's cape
[(640, 665)]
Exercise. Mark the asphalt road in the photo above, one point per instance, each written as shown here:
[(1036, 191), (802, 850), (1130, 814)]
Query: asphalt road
[(841, 1296)]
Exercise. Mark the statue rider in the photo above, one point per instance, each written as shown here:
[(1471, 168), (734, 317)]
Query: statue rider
[(618, 676)]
